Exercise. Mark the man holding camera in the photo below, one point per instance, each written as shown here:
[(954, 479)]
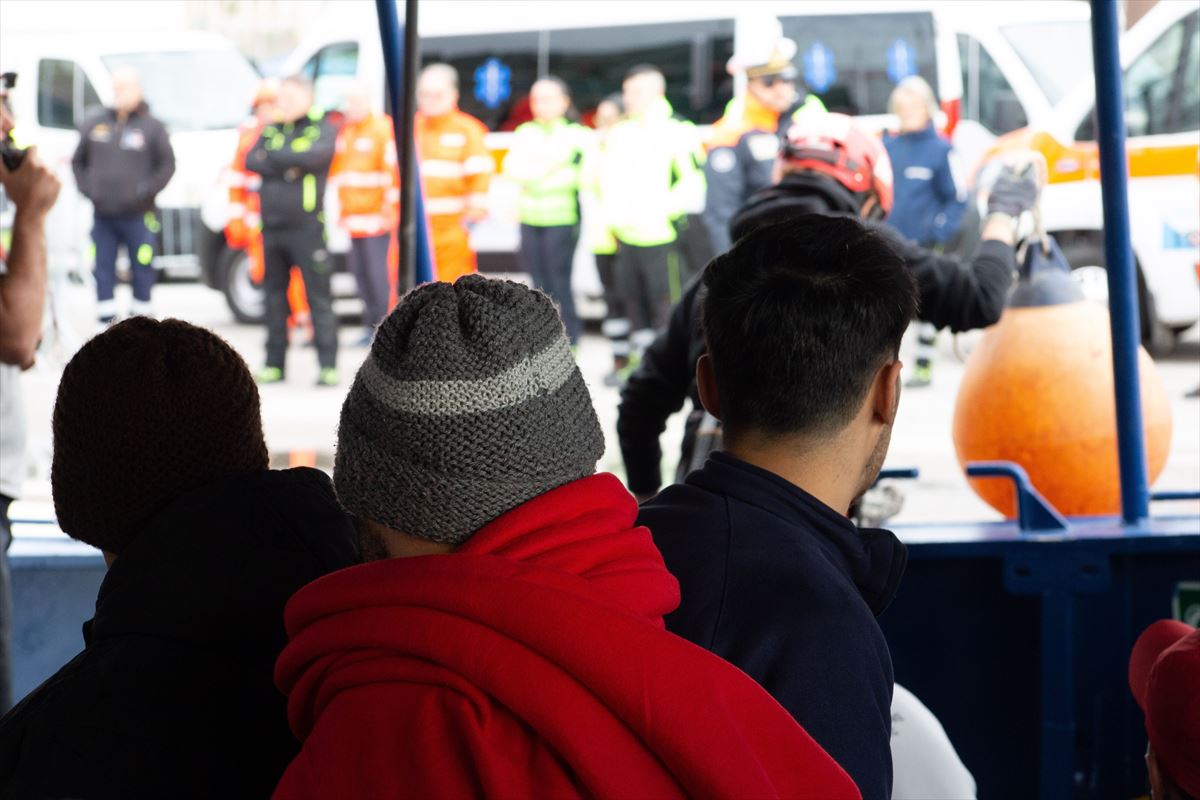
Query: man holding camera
[(31, 187)]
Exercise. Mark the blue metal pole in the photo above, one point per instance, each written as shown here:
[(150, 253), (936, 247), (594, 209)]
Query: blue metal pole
[(399, 49), (1122, 279)]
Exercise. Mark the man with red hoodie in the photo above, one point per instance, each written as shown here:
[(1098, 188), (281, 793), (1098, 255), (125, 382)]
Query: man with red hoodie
[(506, 636)]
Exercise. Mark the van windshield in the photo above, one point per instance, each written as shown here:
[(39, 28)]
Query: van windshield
[(1058, 54), (852, 62), (194, 90)]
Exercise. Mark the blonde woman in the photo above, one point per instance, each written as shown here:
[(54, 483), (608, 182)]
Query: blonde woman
[(928, 205)]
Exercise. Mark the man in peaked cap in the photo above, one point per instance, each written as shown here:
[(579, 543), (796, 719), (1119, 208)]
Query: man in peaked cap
[(743, 144)]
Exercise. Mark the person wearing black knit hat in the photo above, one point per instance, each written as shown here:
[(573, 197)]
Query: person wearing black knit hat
[(505, 638), (160, 462)]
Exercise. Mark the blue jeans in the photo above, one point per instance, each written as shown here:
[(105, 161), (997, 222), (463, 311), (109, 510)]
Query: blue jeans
[(547, 254), (109, 233), (368, 259)]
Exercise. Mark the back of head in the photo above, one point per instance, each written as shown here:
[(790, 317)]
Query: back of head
[(798, 317), (146, 412), (469, 405)]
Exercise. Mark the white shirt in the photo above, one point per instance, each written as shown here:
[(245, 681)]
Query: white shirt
[(925, 765)]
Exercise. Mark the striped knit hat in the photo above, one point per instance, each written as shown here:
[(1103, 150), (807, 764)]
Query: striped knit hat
[(469, 405)]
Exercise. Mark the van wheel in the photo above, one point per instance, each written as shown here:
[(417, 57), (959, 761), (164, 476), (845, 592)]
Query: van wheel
[(244, 296), (1086, 257)]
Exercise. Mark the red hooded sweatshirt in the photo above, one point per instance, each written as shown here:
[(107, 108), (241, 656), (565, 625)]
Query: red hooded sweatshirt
[(532, 662)]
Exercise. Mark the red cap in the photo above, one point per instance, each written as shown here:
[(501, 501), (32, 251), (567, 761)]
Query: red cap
[(1164, 674)]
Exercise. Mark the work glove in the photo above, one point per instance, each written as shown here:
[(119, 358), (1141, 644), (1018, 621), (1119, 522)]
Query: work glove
[(1013, 192)]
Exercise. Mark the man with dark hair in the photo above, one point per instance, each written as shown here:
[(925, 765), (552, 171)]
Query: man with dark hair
[(293, 157), (827, 166), (803, 320), (173, 693)]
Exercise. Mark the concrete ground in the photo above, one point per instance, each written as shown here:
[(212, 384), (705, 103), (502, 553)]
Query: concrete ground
[(301, 419)]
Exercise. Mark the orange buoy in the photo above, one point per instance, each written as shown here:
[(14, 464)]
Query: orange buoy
[(1038, 391)]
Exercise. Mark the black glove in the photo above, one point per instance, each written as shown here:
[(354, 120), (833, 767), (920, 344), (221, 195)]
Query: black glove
[(1013, 193)]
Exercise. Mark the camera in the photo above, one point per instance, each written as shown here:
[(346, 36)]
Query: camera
[(9, 152)]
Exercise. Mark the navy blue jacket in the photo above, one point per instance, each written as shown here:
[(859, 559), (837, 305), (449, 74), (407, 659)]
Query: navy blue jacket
[(787, 589), (926, 207)]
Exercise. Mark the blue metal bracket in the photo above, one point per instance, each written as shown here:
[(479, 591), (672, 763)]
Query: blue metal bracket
[(1035, 514), (1074, 570), (898, 473), (1173, 495)]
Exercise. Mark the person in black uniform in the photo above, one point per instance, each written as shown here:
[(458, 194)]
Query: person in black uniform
[(826, 166), (743, 143), (293, 158), (124, 159)]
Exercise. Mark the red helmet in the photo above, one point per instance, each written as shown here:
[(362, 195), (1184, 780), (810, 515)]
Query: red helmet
[(833, 145)]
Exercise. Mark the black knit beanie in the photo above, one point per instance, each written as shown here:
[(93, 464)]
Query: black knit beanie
[(146, 412)]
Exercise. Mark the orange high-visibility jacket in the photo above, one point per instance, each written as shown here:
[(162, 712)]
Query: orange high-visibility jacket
[(366, 177), (456, 169), (243, 197)]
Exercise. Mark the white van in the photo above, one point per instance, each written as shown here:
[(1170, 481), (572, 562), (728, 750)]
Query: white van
[(985, 58), (1160, 58), (198, 84)]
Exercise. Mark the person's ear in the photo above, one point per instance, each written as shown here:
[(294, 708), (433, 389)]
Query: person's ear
[(885, 393), (706, 385)]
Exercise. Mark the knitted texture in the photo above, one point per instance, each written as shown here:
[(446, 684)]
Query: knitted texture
[(146, 412), (469, 405)]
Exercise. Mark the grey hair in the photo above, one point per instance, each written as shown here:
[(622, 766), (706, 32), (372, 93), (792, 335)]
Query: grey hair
[(442, 70), (918, 87)]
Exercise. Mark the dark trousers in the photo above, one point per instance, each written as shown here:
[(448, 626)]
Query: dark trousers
[(6, 607), (368, 260), (646, 276), (547, 254), (110, 233), (695, 246), (615, 326), (305, 248)]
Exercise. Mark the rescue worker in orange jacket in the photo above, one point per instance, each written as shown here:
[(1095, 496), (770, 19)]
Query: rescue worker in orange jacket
[(243, 231), (364, 173), (456, 169)]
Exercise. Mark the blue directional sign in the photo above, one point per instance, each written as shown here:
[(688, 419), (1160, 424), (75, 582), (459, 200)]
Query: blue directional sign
[(901, 61), (493, 82), (819, 71)]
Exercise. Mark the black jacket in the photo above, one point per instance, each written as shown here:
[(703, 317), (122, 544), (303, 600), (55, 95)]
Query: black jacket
[(173, 694), (122, 166), (787, 590), (952, 295), (734, 172), (293, 159)]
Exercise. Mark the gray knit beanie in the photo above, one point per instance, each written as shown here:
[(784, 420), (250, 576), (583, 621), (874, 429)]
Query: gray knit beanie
[(469, 404)]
